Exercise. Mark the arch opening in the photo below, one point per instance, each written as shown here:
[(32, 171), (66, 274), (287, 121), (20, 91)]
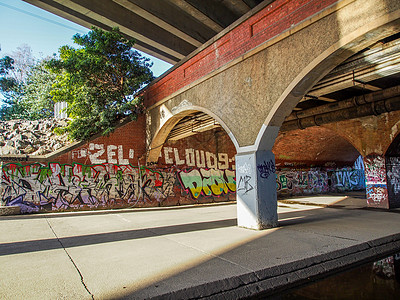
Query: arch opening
[(258, 209), (184, 123), (357, 89), (201, 154), (355, 77)]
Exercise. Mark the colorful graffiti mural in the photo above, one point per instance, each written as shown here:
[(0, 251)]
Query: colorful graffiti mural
[(347, 180), (56, 186), (297, 182), (301, 182), (208, 182)]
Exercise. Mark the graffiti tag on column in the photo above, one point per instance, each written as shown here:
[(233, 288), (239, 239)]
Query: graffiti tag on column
[(376, 194), (266, 169), (244, 184), (376, 184), (375, 170)]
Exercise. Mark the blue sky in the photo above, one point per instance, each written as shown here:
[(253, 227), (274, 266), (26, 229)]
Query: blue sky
[(23, 23)]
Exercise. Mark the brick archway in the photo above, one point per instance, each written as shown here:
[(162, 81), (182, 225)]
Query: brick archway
[(169, 120)]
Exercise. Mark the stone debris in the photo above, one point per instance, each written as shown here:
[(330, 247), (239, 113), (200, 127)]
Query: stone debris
[(31, 137)]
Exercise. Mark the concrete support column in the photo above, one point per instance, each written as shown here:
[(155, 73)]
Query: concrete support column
[(382, 181), (375, 181), (393, 180), (256, 190)]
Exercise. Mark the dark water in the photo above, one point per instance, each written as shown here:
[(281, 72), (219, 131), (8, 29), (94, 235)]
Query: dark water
[(378, 280)]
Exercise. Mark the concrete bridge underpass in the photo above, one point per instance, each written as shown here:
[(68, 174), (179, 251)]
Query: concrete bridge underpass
[(253, 94), (282, 65)]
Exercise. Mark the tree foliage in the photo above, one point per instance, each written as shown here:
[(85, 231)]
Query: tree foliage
[(10, 88), (25, 86), (36, 99), (98, 80)]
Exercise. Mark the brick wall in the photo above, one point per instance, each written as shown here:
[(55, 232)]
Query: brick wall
[(369, 135), (126, 145)]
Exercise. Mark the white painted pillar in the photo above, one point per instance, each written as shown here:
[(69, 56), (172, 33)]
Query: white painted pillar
[(257, 206)]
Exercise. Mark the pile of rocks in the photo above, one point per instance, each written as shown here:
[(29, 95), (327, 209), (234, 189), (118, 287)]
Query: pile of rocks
[(31, 137)]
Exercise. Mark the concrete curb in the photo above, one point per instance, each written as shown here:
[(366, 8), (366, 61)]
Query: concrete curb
[(10, 210), (272, 280)]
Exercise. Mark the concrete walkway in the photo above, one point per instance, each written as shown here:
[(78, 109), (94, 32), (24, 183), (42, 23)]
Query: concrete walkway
[(184, 253)]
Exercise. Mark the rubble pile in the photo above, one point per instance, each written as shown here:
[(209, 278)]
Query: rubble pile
[(31, 137)]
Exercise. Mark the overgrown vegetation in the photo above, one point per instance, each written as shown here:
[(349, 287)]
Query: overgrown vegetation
[(24, 85), (98, 80)]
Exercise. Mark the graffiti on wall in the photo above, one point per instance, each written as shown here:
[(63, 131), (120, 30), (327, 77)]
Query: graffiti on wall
[(198, 158), (302, 182), (56, 186), (375, 177), (208, 182), (347, 179), (317, 181), (59, 187), (100, 154)]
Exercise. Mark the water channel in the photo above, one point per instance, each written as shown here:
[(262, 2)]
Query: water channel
[(374, 280)]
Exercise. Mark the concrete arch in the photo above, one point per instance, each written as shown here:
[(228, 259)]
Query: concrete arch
[(342, 49), (172, 119), (343, 31)]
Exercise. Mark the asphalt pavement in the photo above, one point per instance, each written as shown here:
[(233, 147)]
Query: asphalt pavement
[(187, 252)]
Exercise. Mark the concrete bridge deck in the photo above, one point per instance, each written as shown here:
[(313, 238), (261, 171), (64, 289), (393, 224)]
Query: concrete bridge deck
[(187, 252)]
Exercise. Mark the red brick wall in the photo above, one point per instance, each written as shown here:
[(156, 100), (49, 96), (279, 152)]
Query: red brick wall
[(369, 135), (274, 19), (313, 147), (126, 145)]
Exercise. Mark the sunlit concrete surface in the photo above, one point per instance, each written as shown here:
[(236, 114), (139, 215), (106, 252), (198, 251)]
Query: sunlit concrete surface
[(186, 252)]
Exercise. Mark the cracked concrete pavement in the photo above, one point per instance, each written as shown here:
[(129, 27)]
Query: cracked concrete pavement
[(186, 252)]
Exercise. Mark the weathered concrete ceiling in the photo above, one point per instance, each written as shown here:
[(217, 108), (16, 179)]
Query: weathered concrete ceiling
[(167, 29)]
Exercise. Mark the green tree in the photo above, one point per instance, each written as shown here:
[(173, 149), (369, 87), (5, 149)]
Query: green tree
[(10, 89), (36, 99), (98, 80), (14, 73)]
